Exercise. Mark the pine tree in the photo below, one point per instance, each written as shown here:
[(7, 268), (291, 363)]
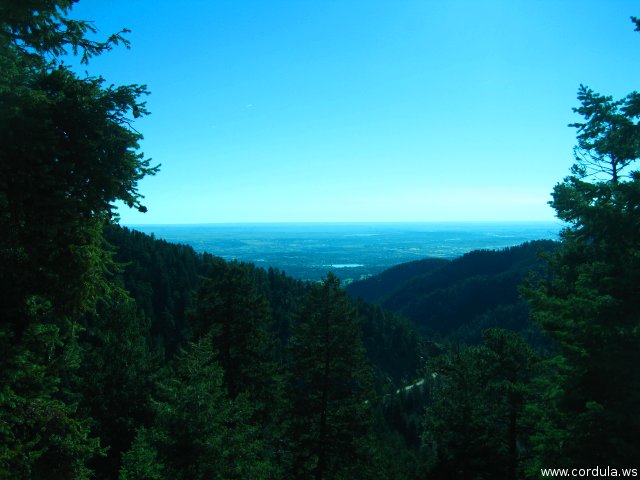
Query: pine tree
[(475, 423), (68, 153), (198, 432), (41, 435), (590, 304), (329, 389), (116, 378), (230, 309)]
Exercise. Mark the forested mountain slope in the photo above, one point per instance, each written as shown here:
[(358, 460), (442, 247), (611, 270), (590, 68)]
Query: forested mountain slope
[(442, 296), (128, 358), (253, 318), (164, 278)]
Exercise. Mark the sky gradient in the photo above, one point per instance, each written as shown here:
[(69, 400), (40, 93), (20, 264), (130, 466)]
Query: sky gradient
[(330, 111)]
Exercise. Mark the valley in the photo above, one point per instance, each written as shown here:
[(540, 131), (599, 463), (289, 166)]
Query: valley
[(352, 251)]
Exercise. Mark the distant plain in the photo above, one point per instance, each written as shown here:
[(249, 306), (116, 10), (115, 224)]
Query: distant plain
[(351, 250)]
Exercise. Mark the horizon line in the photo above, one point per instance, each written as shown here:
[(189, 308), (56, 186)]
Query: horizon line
[(344, 222)]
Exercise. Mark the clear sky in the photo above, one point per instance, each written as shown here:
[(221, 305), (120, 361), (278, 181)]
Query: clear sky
[(367, 110)]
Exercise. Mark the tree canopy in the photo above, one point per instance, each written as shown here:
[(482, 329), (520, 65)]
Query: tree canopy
[(128, 357), (590, 303), (69, 152)]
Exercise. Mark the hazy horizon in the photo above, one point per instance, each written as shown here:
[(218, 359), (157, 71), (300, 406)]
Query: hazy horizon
[(346, 223), (351, 250)]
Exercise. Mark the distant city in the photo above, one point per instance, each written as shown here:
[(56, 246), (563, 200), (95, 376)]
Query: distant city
[(352, 251)]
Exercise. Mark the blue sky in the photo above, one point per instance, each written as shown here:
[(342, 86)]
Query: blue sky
[(304, 111)]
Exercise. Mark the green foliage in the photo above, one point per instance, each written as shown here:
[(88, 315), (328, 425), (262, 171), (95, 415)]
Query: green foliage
[(590, 309), (608, 140), (115, 380), (40, 434), (97, 379), (376, 288), (440, 297), (590, 303), (403, 411), (285, 296), (141, 462), (330, 388), (474, 423), (161, 278), (48, 35), (229, 308), (198, 432), (392, 344), (68, 153)]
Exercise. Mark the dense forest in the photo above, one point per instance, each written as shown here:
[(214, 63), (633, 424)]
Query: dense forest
[(462, 297), (127, 357)]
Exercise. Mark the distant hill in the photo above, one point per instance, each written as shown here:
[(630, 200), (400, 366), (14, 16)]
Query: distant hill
[(458, 298)]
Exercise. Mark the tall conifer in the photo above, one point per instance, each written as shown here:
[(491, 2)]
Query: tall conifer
[(590, 304), (329, 389), (68, 153)]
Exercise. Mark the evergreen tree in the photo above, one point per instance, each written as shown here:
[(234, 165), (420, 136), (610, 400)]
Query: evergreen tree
[(141, 461), (116, 377), (590, 304), (41, 435), (68, 153), (329, 389), (460, 435), (198, 432), (285, 296), (475, 425), (161, 277), (230, 309)]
